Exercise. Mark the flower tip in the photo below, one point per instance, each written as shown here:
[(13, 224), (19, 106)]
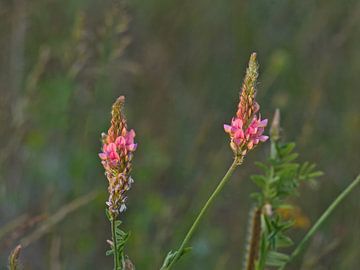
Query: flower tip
[(118, 104), (121, 99), (253, 56), (275, 126), (252, 61)]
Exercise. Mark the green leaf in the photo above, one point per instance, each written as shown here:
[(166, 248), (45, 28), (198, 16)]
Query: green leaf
[(108, 215), (286, 148), (283, 241), (171, 255), (276, 258), (290, 157), (262, 166), (259, 180), (109, 252), (118, 223), (315, 174)]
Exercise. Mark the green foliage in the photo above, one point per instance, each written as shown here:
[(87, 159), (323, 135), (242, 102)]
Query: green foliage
[(118, 242), (172, 255), (281, 177)]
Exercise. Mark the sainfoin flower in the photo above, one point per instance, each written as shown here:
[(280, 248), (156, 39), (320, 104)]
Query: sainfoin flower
[(246, 128), (116, 156)]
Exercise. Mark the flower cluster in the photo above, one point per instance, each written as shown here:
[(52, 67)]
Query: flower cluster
[(117, 153), (247, 128)]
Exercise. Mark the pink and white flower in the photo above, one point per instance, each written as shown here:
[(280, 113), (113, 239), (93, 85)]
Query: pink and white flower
[(116, 156), (246, 128)]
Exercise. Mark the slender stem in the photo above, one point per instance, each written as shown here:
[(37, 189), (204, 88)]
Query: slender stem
[(13, 259), (113, 233), (321, 220), (237, 162), (254, 232)]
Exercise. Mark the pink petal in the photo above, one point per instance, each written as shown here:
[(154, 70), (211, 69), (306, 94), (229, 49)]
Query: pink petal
[(263, 123), (237, 122), (239, 134), (120, 141), (237, 141), (256, 107), (227, 128), (132, 147), (131, 133), (102, 156)]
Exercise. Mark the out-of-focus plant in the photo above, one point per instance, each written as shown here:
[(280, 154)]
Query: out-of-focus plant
[(301, 246), (281, 177), (268, 225)]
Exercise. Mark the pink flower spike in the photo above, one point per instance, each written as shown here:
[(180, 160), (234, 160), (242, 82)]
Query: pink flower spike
[(117, 153), (247, 127)]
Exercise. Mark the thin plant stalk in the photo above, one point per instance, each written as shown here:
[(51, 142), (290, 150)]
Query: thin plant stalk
[(237, 161), (116, 256), (14, 257), (254, 234), (321, 220)]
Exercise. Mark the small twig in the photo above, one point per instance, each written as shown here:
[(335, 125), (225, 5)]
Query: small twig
[(16, 228), (57, 217), (12, 225)]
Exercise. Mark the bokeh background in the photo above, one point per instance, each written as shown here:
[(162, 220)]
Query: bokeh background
[(180, 65)]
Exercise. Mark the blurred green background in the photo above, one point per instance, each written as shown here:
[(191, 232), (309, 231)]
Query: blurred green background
[(180, 65)]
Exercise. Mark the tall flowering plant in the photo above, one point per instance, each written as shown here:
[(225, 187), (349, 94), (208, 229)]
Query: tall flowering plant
[(245, 132), (281, 176), (118, 148)]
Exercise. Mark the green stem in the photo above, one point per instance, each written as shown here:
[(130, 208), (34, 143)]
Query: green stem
[(322, 219), (116, 257), (237, 162)]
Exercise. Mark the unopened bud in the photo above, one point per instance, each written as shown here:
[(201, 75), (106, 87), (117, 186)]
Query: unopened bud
[(275, 126)]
